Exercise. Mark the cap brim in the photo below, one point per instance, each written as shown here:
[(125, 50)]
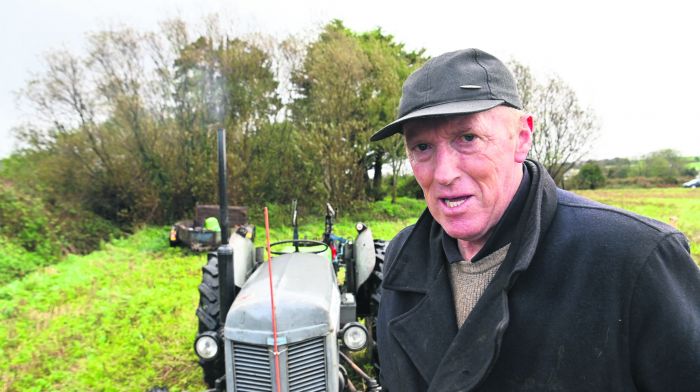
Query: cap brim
[(445, 109)]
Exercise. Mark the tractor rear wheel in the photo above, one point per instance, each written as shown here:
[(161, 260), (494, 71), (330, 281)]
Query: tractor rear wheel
[(208, 316), (368, 297)]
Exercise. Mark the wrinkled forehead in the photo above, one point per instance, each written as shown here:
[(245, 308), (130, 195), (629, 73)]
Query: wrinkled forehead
[(499, 118)]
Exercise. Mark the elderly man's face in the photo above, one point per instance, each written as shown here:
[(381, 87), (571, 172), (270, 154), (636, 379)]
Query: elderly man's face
[(469, 167)]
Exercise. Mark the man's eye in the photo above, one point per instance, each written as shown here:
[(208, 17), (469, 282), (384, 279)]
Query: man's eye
[(421, 147), (468, 137)]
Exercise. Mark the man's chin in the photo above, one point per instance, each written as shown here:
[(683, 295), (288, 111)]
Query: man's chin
[(457, 226), (461, 233)]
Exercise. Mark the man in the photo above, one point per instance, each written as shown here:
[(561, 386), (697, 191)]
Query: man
[(506, 282)]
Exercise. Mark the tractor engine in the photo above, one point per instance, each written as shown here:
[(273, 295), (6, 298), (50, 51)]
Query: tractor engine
[(307, 302)]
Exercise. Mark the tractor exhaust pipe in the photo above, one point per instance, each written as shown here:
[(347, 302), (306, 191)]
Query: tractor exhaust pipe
[(223, 198), (227, 289)]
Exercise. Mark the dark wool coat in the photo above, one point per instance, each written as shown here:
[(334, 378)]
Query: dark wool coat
[(589, 298)]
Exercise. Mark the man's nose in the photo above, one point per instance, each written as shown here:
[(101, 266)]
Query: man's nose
[(446, 165)]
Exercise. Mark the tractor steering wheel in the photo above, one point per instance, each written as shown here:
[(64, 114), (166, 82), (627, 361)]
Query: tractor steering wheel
[(300, 244)]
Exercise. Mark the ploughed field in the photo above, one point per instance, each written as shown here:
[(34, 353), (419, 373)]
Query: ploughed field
[(122, 318)]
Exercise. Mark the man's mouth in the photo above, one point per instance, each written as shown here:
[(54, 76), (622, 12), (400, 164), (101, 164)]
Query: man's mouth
[(455, 202)]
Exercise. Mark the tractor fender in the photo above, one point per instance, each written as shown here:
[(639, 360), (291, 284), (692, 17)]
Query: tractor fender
[(243, 258)]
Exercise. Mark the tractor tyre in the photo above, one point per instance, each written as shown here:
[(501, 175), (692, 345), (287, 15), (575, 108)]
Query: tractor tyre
[(208, 317), (370, 295)]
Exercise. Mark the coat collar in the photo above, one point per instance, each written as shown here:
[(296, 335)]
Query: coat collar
[(420, 259), (427, 332)]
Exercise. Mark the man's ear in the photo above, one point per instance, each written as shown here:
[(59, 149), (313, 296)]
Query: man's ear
[(524, 136)]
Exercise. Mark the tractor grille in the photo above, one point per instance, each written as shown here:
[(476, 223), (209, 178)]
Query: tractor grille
[(252, 368), (306, 366)]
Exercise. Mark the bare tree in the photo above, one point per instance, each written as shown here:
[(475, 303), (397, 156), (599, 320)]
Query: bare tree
[(62, 99), (564, 130)]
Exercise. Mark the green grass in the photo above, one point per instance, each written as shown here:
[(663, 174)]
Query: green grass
[(679, 207), (118, 319), (693, 165)]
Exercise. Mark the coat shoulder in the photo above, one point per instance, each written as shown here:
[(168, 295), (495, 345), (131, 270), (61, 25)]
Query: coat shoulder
[(573, 206)]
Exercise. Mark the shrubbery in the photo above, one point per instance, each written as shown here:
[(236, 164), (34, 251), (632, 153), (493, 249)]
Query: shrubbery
[(34, 233), (27, 223), (408, 187), (640, 182), (15, 261), (589, 176)]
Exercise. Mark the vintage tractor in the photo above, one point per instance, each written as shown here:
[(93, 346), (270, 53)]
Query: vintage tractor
[(316, 321)]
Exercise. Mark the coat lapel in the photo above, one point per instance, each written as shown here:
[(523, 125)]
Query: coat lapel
[(426, 330)]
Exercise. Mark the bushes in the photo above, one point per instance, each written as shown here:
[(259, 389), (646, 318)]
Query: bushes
[(639, 182), (24, 221), (82, 231), (26, 239), (34, 233), (589, 176), (15, 261), (408, 187)]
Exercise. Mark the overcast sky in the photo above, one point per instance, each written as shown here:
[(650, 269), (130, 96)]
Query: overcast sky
[(635, 63)]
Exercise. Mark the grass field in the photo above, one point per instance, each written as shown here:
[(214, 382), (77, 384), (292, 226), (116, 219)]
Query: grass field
[(694, 165), (119, 319), (122, 318)]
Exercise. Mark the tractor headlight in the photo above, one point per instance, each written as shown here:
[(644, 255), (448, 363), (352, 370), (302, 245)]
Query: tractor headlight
[(207, 345), (354, 336)]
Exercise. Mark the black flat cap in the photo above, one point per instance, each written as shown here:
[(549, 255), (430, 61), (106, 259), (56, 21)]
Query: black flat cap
[(461, 82)]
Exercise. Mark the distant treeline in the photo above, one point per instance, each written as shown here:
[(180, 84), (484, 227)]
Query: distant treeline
[(659, 168)]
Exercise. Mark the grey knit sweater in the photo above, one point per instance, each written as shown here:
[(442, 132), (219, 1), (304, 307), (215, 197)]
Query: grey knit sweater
[(469, 281)]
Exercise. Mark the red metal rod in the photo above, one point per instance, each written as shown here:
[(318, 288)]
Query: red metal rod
[(272, 302)]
